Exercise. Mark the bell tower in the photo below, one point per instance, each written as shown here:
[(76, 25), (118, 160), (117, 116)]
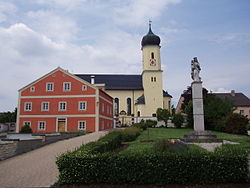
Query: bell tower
[(152, 73)]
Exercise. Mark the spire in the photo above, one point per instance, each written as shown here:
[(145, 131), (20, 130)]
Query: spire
[(150, 30), (150, 38)]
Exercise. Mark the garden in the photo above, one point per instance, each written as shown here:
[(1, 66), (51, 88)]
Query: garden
[(154, 156)]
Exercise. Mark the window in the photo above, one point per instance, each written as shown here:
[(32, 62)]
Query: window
[(45, 106), (81, 125), (103, 107), (155, 79), (138, 114), (32, 89), (152, 55), (62, 106), (152, 79), (66, 86), (116, 106), (102, 125), (50, 86), (242, 112), (27, 123), (27, 106), (82, 105), (41, 125), (107, 109), (128, 106), (84, 87)]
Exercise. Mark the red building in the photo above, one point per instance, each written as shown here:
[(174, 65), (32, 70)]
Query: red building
[(60, 101)]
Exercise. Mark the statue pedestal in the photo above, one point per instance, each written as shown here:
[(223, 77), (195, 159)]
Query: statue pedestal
[(198, 111), (200, 137)]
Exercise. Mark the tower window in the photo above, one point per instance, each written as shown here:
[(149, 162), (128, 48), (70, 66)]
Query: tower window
[(155, 79), (152, 79), (152, 55)]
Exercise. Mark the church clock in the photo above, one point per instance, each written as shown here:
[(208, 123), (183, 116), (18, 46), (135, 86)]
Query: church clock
[(152, 62)]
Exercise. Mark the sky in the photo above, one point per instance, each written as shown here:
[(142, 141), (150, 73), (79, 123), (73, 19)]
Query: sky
[(96, 36)]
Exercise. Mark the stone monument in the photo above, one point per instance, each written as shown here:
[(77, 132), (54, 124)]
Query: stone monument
[(199, 134)]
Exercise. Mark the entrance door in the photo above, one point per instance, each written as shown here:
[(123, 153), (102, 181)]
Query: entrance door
[(61, 125)]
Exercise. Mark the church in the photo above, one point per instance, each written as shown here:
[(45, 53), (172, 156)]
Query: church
[(60, 101), (136, 97)]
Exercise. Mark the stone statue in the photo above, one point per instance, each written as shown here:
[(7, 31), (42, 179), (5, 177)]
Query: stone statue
[(195, 70)]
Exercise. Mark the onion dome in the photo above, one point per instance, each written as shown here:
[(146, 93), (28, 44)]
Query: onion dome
[(150, 38)]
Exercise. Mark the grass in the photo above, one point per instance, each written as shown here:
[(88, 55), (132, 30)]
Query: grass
[(140, 144)]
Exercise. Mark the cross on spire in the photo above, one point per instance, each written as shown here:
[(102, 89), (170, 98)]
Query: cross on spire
[(150, 22)]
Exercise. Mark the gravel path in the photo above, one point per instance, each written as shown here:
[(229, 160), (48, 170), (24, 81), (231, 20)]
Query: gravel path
[(37, 168)]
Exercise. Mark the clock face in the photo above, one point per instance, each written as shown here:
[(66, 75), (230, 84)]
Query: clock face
[(152, 62)]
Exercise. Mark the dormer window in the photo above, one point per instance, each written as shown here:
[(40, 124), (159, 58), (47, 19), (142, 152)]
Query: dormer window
[(84, 88)]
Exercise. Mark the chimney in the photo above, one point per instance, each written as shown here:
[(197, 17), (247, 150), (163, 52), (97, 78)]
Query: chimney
[(233, 93), (92, 79)]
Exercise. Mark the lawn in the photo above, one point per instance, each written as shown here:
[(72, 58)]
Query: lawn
[(141, 144)]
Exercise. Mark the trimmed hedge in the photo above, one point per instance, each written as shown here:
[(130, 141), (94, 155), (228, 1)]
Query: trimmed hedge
[(93, 165)]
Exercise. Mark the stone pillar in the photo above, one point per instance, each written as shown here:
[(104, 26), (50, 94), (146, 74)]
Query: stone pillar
[(198, 111)]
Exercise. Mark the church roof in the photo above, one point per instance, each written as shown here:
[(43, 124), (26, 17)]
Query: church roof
[(115, 82), (165, 94), (140, 100), (150, 38)]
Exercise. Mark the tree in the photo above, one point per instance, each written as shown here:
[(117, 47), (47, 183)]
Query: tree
[(8, 116), (236, 124), (216, 110), (178, 120), (26, 129), (162, 115)]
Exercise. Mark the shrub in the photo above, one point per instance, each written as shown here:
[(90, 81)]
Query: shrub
[(178, 120), (26, 129), (236, 124), (248, 126), (140, 125), (150, 123), (130, 134), (227, 164), (170, 145)]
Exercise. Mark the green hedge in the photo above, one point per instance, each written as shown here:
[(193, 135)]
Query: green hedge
[(227, 164)]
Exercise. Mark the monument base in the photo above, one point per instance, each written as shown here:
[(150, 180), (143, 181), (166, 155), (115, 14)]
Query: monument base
[(200, 137)]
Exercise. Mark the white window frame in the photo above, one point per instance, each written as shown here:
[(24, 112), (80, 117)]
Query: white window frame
[(84, 88), (32, 89), (52, 86), (27, 122), (39, 125), (59, 106), (79, 106), (29, 105), (66, 86), (79, 125), (42, 106), (103, 107)]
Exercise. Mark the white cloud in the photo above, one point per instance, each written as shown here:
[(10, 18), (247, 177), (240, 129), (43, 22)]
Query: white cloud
[(6, 9), (67, 5), (53, 25), (136, 12), (232, 38)]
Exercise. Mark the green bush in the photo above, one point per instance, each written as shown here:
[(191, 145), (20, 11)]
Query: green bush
[(141, 125), (130, 134), (227, 164), (26, 129), (236, 124), (170, 146), (178, 120), (248, 126), (150, 123)]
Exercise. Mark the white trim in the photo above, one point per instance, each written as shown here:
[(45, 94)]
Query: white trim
[(29, 110), (106, 99), (104, 117), (38, 125), (18, 112), (65, 72), (80, 105), (42, 106), (29, 122), (85, 125), (56, 96), (32, 89), (64, 83), (47, 83), (59, 106), (55, 116)]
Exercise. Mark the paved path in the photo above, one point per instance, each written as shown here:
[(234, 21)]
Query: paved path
[(37, 168)]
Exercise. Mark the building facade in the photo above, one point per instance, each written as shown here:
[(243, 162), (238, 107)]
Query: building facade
[(60, 101)]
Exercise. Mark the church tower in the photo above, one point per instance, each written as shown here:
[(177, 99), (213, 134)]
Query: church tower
[(152, 73)]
